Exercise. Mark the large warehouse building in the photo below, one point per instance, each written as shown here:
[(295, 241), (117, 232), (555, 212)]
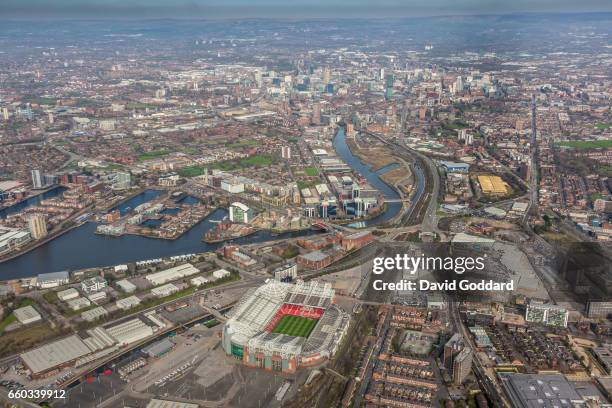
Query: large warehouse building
[(282, 327)]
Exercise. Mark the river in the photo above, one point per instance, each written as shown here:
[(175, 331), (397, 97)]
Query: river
[(80, 248), (344, 152)]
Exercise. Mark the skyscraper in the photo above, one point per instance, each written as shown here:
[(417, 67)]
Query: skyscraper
[(459, 84), (389, 86), (316, 113), (326, 75), (286, 152), (5, 113), (37, 180), (37, 226)]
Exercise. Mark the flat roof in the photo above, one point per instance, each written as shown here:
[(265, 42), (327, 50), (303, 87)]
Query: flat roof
[(159, 347), (157, 403), (535, 390), (315, 256), (55, 353), (53, 276), (26, 313)]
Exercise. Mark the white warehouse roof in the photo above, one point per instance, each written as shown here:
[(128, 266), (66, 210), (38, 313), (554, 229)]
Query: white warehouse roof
[(54, 354), (159, 278)]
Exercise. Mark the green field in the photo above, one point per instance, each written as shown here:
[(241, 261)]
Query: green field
[(153, 155), (311, 171), (191, 171), (587, 144), (296, 326), (252, 161)]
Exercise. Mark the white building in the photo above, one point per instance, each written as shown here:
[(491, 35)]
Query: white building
[(68, 294), (27, 315), (199, 281), (128, 302), (97, 297), (232, 186), (239, 212), (178, 272), (121, 268), (164, 290), (221, 273), (94, 284), (130, 332), (286, 272), (12, 238), (79, 303), (126, 286), (52, 280), (94, 314)]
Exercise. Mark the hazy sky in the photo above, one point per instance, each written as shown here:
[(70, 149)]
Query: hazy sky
[(36, 9)]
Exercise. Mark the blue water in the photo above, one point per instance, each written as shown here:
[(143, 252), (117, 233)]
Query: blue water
[(152, 223), (32, 201), (189, 200), (134, 202), (373, 178), (80, 248), (170, 211)]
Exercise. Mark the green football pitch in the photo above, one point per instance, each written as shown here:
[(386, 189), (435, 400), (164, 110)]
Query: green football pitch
[(297, 326)]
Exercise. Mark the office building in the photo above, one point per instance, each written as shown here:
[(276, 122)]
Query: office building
[(37, 226), (239, 212), (286, 152), (37, 179), (94, 284)]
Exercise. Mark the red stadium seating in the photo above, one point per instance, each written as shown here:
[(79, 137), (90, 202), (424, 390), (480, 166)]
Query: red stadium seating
[(294, 310)]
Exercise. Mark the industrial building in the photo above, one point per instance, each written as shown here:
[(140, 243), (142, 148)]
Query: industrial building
[(164, 290), (221, 273), (97, 297), (78, 303), (68, 294), (128, 302), (54, 355), (27, 315), (126, 286), (539, 390), (94, 314), (52, 280), (199, 281), (256, 334), (493, 185), (130, 331), (452, 167), (159, 348), (158, 403), (177, 272)]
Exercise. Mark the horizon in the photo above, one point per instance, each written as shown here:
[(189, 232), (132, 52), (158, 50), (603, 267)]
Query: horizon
[(33, 10)]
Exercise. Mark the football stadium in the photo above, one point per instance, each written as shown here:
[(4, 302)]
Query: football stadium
[(283, 326)]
